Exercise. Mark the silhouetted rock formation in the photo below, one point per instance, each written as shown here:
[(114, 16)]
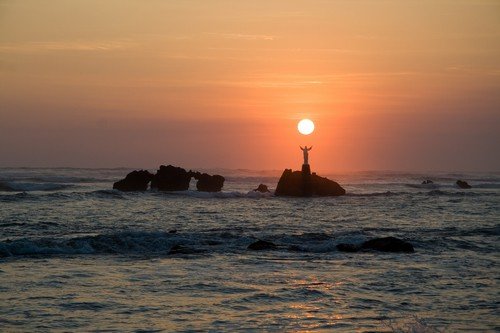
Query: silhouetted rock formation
[(134, 181), (428, 181), (170, 178), (463, 184), (208, 183), (304, 184), (261, 245), (262, 189), (385, 244)]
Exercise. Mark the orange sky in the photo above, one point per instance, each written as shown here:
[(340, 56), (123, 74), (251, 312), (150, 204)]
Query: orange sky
[(392, 85)]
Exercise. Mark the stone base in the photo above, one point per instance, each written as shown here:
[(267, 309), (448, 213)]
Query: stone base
[(306, 180), (306, 170)]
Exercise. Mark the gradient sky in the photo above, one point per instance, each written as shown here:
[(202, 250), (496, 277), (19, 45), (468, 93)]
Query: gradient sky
[(390, 84)]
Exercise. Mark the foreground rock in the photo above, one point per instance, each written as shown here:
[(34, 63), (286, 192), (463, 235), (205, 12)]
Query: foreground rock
[(304, 184), (463, 184), (134, 181), (170, 178), (385, 244), (208, 183), (261, 245), (262, 189)]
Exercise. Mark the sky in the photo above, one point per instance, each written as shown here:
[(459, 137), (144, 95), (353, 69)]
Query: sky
[(390, 84)]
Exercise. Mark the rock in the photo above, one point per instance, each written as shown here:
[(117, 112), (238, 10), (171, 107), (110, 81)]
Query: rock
[(463, 184), (304, 184), (427, 181), (170, 178), (345, 247), (181, 249), (262, 189), (208, 183), (387, 244), (134, 181), (261, 245)]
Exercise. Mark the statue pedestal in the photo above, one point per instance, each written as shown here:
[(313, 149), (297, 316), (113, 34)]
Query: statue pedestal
[(306, 170), (306, 180)]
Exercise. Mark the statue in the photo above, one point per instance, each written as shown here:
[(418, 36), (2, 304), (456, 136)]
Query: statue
[(306, 154)]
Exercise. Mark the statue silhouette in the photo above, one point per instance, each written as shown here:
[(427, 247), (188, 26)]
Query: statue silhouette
[(306, 154)]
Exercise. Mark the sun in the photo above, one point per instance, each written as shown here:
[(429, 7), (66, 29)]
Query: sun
[(306, 126)]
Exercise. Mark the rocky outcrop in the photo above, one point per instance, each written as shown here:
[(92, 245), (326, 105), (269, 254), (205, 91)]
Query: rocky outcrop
[(261, 245), (208, 183), (134, 181), (463, 184), (170, 178), (385, 244), (304, 184), (262, 189)]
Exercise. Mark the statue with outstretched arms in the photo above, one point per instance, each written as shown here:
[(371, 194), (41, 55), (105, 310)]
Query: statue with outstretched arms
[(305, 150)]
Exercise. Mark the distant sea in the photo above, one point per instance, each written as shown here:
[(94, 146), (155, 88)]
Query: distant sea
[(76, 255)]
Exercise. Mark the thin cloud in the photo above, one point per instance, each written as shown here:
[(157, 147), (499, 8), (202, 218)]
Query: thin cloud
[(48, 46), (241, 36)]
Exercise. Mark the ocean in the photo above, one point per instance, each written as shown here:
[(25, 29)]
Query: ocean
[(77, 256)]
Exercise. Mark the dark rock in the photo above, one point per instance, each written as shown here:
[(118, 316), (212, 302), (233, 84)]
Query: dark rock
[(261, 245), (463, 184), (345, 247), (170, 178), (428, 181), (134, 181), (262, 189), (181, 249), (208, 183), (387, 244), (173, 231), (303, 184)]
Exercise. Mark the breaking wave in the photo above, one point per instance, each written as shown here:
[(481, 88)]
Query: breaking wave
[(168, 243)]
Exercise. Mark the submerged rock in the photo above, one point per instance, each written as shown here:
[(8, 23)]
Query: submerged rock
[(170, 178), (134, 181), (346, 247), (208, 183), (262, 189), (385, 244), (388, 244), (261, 245), (304, 184), (463, 184), (181, 249)]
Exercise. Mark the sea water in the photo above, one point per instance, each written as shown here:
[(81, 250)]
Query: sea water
[(76, 255)]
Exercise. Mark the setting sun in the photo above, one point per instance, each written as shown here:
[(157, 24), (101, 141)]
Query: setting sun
[(305, 126)]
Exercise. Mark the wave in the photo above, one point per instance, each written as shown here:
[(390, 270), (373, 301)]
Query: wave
[(27, 187), (118, 195), (456, 193), (169, 243)]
